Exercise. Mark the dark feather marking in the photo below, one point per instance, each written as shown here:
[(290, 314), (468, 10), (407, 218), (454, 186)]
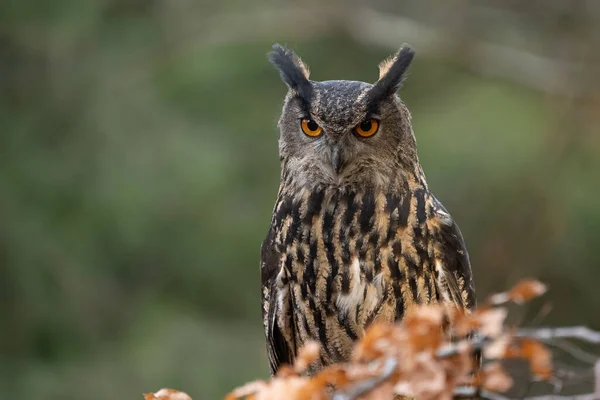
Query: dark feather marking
[(351, 207), (430, 211), (410, 264), (374, 238), (292, 232), (420, 199), (288, 265), (305, 323), (310, 271), (404, 209), (345, 280), (368, 272), (300, 255), (427, 285), (397, 248), (319, 322), (397, 278), (329, 252), (391, 209), (304, 289), (391, 202), (313, 206), (367, 212), (376, 265), (284, 210), (423, 256), (412, 282), (342, 318), (345, 250)]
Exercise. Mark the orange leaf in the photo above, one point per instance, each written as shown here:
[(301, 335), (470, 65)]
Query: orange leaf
[(370, 346), (523, 291), (527, 290), (494, 378), (540, 358), (492, 321), (167, 394), (245, 391), (307, 355)]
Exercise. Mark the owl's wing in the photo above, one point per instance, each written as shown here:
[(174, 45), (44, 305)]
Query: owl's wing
[(452, 259), (277, 311)]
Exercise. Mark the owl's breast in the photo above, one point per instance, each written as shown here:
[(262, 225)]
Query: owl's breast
[(350, 258)]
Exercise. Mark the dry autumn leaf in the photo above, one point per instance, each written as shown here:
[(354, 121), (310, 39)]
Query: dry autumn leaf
[(491, 321), (245, 391), (540, 358), (306, 356), (522, 292), (167, 394), (373, 344), (495, 379)]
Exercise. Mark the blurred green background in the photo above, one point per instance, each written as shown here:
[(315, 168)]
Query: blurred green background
[(138, 169)]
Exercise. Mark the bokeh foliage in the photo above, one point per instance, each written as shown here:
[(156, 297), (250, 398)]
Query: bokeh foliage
[(138, 169)]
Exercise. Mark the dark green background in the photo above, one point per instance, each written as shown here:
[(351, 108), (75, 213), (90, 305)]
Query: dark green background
[(138, 169)]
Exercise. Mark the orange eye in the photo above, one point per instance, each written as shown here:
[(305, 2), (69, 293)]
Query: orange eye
[(310, 127), (367, 128)]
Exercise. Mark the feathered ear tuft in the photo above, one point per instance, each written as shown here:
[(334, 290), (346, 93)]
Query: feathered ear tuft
[(385, 65), (391, 74), (292, 69)]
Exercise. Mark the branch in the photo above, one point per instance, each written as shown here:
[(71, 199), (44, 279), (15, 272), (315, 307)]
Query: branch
[(358, 390), (570, 332)]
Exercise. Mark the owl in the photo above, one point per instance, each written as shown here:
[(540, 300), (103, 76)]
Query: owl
[(356, 237)]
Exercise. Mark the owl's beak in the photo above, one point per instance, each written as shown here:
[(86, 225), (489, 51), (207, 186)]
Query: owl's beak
[(336, 159)]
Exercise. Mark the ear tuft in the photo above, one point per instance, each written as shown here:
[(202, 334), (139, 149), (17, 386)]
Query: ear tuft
[(385, 65), (391, 74), (292, 69)]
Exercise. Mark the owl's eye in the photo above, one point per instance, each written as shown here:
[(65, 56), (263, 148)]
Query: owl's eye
[(310, 127), (367, 128)]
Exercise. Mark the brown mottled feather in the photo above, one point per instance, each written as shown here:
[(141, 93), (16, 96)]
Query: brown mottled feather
[(350, 259)]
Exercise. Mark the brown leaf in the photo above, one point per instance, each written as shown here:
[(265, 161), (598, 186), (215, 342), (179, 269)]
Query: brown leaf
[(522, 292), (527, 290), (497, 348), (540, 358), (371, 345), (424, 326), (167, 394), (333, 375), (495, 379), (308, 354), (248, 389), (491, 321), (285, 371), (463, 323)]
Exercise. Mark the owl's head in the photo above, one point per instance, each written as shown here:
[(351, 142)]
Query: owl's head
[(345, 133)]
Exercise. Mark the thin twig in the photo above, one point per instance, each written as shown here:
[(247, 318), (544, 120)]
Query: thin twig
[(358, 390), (582, 333), (574, 351)]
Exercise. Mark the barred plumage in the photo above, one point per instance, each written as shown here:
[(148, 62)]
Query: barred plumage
[(356, 236)]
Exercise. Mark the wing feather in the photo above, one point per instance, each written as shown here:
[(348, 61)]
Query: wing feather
[(276, 308), (452, 260)]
